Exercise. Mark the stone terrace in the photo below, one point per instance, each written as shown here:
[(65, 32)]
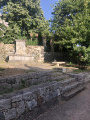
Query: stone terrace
[(24, 92)]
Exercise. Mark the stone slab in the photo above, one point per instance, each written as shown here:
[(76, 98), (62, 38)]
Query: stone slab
[(20, 58)]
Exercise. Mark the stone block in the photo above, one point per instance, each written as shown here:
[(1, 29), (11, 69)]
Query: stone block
[(16, 86), (5, 104), (27, 96), (24, 77), (21, 108), (34, 81), (18, 78), (31, 104), (11, 114), (2, 80), (11, 80), (20, 47), (14, 105), (16, 98), (58, 92), (29, 82), (5, 86)]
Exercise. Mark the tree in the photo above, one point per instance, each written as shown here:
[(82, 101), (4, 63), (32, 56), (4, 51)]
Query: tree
[(71, 24), (3, 27), (24, 17)]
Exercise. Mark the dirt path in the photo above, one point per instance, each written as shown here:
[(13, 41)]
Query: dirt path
[(16, 68)]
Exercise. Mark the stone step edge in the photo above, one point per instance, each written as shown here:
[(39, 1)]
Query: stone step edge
[(72, 94), (68, 81), (70, 87)]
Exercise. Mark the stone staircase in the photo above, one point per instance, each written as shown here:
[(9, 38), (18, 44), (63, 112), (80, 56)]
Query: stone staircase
[(70, 85)]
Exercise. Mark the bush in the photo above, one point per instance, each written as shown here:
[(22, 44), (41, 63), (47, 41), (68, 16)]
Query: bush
[(81, 56)]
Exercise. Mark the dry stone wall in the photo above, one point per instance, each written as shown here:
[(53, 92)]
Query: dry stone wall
[(21, 81), (15, 104), (6, 50), (37, 52)]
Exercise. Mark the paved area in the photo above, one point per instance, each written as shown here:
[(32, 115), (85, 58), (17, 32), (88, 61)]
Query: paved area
[(77, 108)]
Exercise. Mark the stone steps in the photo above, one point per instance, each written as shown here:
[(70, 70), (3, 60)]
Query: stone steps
[(72, 89), (70, 85), (55, 74), (72, 93), (87, 80), (68, 88), (61, 77), (69, 81)]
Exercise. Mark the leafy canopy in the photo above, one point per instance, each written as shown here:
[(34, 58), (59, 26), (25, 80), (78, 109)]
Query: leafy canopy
[(71, 25), (24, 17)]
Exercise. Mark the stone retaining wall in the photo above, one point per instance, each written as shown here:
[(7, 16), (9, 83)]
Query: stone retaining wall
[(9, 49), (85, 77), (21, 81), (16, 103), (6, 50), (37, 52)]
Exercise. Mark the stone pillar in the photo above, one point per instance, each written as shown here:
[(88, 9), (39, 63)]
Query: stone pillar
[(20, 47)]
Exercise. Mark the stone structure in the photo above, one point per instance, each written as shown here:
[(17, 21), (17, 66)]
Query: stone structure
[(20, 47), (15, 104), (6, 50), (19, 81), (37, 52), (21, 52)]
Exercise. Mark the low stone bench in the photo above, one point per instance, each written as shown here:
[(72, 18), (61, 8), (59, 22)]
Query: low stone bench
[(58, 63)]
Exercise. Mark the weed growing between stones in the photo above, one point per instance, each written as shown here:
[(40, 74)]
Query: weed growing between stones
[(10, 90)]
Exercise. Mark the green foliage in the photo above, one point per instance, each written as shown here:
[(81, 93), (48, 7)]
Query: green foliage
[(24, 17), (71, 27), (2, 29), (33, 42), (71, 23), (81, 55)]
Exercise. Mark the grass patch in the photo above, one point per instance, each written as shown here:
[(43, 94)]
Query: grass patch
[(2, 69), (81, 70), (30, 71), (2, 61), (10, 90)]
